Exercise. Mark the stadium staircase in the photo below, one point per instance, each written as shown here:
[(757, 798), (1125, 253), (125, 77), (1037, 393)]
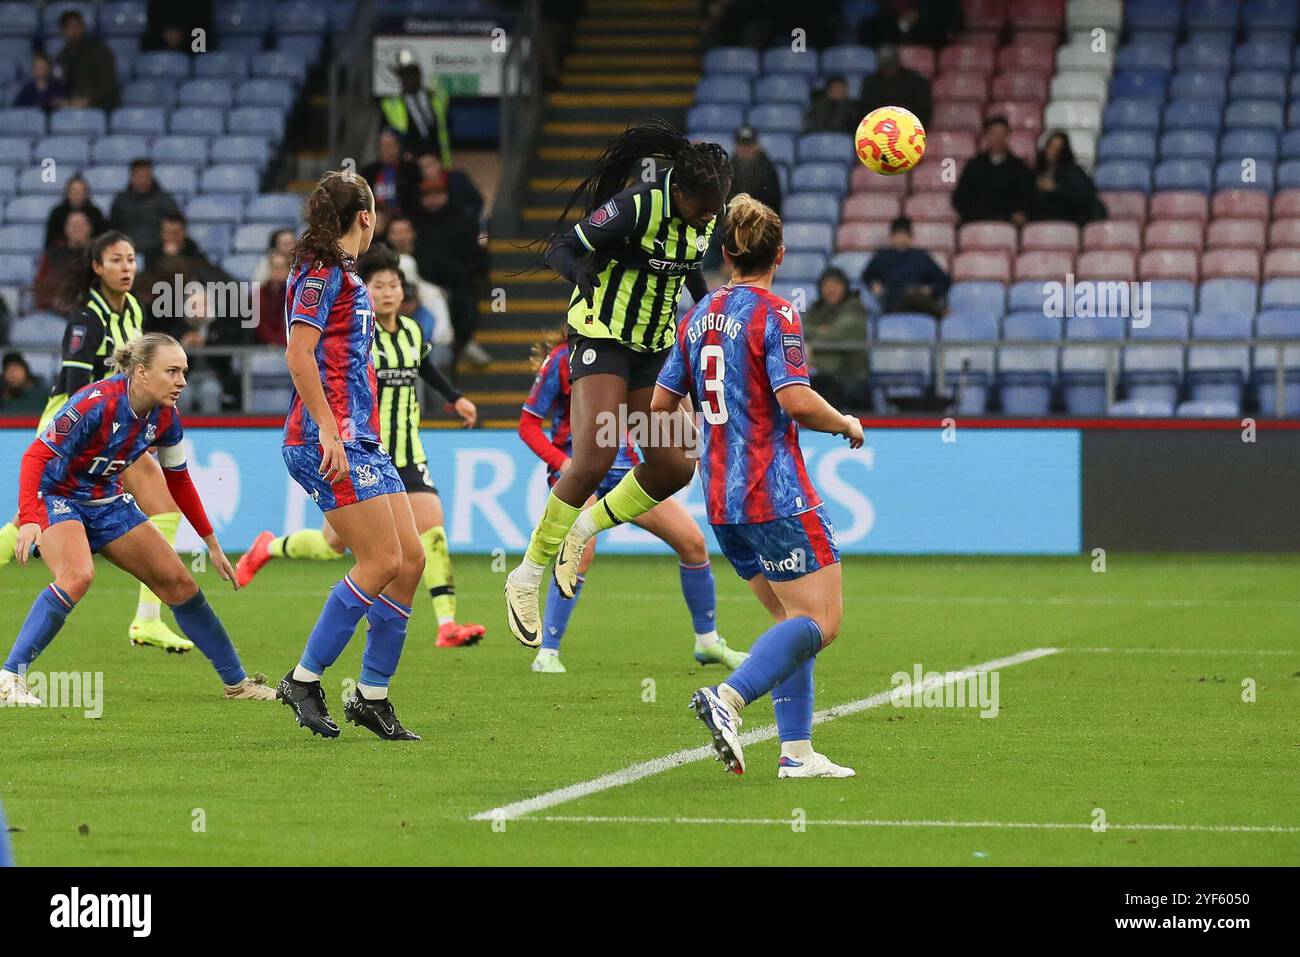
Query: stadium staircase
[(631, 59)]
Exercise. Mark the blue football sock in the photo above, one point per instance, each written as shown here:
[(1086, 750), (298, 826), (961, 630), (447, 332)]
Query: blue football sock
[(202, 626), (701, 598), (343, 611), (6, 856), (49, 612), (384, 640), (792, 700), (776, 655), (558, 611)]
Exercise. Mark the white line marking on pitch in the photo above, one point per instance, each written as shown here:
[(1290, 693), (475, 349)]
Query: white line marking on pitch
[(645, 769), (1013, 825), (1182, 651)]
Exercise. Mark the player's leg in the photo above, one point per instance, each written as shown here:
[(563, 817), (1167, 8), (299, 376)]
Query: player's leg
[(438, 578), (665, 471), (312, 544), (9, 531), (595, 398), (66, 551), (144, 480), (143, 553), (387, 619), (559, 609), (671, 523)]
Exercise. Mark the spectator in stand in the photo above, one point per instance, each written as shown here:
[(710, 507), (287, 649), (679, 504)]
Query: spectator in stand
[(932, 23), (60, 261), (171, 25), (270, 302), (20, 391), (448, 252), (903, 278), (419, 114), (1062, 190), (280, 241), (76, 198), (393, 178), (139, 210), (995, 184), (894, 85), (838, 318), (753, 171), (89, 68), (832, 110), (401, 240), (464, 194), (44, 89)]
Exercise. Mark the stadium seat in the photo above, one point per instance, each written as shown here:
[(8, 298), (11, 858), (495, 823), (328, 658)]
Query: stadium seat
[(193, 121), (1182, 174), (1146, 51), (813, 208), (1177, 294), (1199, 88), (1140, 84), (84, 122), (731, 60), (918, 58), (1094, 328), (1254, 114), (1277, 15), (212, 238), (22, 239), (285, 208), (214, 209), (961, 88), (723, 89), (987, 235), (192, 150), (1168, 264), (1049, 235), (221, 64), (783, 88), (982, 265), (281, 64), (164, 64), (1123, 175), (848, 59), (926, 178), (1043, 265), (15, 151), (1258, 85), (1236, 234), (1106, 264), (273, 93), (1223, 295), (34, 209), (1018, 85), (1113, 234), (17, 269), (1278, 325), (926, 207), (957, 117), (803, 266), (1288, 174), (106, 180), (1180, 204), (1125, 204), (1286, 204), (1152, 373), (137, 120), (785, 60), (802, 237), (1284, 232), (1208, 326), (1083, 379), (1217, 373), (978, 298), (1161, 324), (263, 121), (771, 118), (1208, 409), (967, 58), (1188, 145), (1191, 115), (1174, 234), (1280, 293), (1129, 145), (1132, 115), (866, 237), (853, 263), (1230, 264), (150, 91), (858, 207), (824, 147), (1028, 58), (1142, 408), (820, 177), (1082, 86)]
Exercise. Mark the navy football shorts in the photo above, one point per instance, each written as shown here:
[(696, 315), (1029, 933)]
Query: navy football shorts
[(780, 550), (371, 473)]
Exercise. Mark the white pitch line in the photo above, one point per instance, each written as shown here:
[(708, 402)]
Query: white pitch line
[(869, 822), (1183, 651), (645, 769)]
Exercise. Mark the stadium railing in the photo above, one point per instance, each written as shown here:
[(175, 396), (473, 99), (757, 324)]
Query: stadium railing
[(521, 114)]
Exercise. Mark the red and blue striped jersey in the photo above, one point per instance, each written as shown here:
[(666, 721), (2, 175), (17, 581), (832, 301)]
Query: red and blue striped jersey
[(335, 301), (549, 396), (735, 350), (96, 435)]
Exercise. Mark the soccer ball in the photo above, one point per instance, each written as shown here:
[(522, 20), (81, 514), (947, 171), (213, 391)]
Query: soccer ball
[(890, 140)]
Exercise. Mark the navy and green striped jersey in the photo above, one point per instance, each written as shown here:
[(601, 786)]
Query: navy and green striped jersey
[(401, 359), (90, 337)]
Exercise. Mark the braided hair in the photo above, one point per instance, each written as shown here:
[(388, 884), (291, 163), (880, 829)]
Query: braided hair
[(699, 169)]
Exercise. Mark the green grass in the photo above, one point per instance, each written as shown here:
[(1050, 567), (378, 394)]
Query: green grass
[(1152, 738)]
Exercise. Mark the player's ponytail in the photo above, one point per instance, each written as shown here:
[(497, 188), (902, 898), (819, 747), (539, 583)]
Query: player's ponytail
[(332, 208), (140, 351), (752, 235), (543, 346)]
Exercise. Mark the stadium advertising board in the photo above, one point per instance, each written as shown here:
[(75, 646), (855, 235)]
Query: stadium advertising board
[(465, 54)]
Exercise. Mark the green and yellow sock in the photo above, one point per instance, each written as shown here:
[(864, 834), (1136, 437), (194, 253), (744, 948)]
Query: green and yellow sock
[(557, 518), (150, 606), (8, 542), (437, 573), (310, 544), (625, 501)]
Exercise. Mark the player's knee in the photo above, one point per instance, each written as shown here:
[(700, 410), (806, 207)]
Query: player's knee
[(691, 549), (176, 587), (412, 562), (829, 623), (77, 581), (385, 566)]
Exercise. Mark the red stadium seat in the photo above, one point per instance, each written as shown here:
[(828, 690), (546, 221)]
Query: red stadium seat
[(1281, 262), (960, 145), (1113, 234), (954, 86), (1240, 204), (943, 259), (932, 235), (930, 207), (966, 58), (1021, 114), (861, 236), (1045, 15), (1020, 85), (871, 207), (1044, 264), (981, 38), (1178, 204), (920, 59), (930, 177), (1125, 204), (982, 266), (992, 236), (1284, 233), (1024, 143), (1286, 204), (1235, 234), (1174, 234), (1028, 57), (1105, 264), (985, 14), (954, 115), (865, 181), (1168, 264), (1050, 235), (1231, 264)]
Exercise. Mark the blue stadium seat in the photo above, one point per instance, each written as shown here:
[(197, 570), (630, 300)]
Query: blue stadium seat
[(1239, 144), (241, 149), (87, 122), (214, 209), (1255, 114), (1145, 84), (1092, 328), (242, 265), (779, 147), (820, 177), (1207, 326), (1217, 373), (123, 18), (969, 369), (107, 181), (1200, 53), (731, 60), (804, 237), (1188, 144), (848, 59), (1191, 115), (1150, 15), (803, 267), (125, 50), (1270, 15), (1211, 14), (1147, 51), (1180, 174), (853, 262), (775, 118), (1152, 373), (783, 88), (1280, 295), (304, 47), (1173, 294), (1289, 145), (22, 239), (715, 116), (246, 17), (249, 45), (1278, 325), (1025, 296), (979, 298), (73, 150), (1208, 409), (1199, 85), (177, 179), (8, 180), (1142, 408), (212, 93), (52, 11), (42, 329), (1229, 295), (166, 64), (785, 60), (811, 207), (825, 147), (140, 120), (253, 237), (1233, 174), (301, 16), (149, 91), (1258, 85), (283, 208), (192, 150), (31, 209), (18, 19), (196, 121), (17, 270), (229, 178), (1083, 379), (723, 89), (1131, 115), (15, 151), (1026, 378), (1162, 324), (221, 65), (1124, 175), (22, 121), (1128, 145), (277, 94)]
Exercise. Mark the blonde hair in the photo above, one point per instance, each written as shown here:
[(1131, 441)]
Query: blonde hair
[(542, 348), (752, 234), (140, 351)]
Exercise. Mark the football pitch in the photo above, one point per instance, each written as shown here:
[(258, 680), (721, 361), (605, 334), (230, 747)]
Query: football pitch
[(1145, 715)]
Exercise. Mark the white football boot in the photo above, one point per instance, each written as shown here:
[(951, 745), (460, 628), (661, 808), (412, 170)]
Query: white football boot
[(724, 727), (814, 766), (252, 688), (14, 691), (521, 611), (567, 559)]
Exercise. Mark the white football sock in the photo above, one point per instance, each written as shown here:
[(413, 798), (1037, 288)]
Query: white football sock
[(798, 750), (548, 652), (302, 674), (446, 620), (528, 573), (731, 696), (148, 611), (706, 640), (584, 527), (371, 693)]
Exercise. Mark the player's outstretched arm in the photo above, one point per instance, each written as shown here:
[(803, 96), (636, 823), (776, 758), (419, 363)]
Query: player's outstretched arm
[(806, 406)]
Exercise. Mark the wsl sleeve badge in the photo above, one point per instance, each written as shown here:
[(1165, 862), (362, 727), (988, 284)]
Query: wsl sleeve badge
[(64, 423), (311, 291), (603, 215), (792, 346)]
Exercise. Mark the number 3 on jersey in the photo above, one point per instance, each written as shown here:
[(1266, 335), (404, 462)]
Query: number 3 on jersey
[(715, 398)]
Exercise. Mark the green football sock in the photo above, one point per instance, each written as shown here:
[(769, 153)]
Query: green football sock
[(437, 573), (8, 541), (167, 524), (557, 518), (625, 501), (309, 544)]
